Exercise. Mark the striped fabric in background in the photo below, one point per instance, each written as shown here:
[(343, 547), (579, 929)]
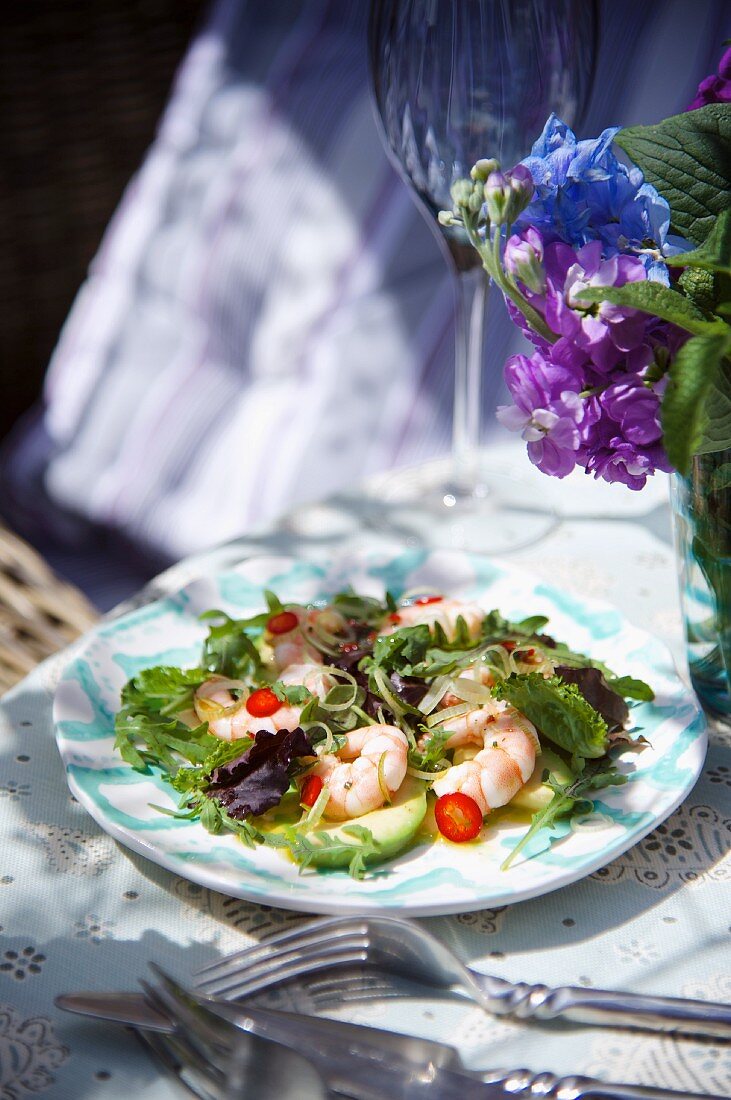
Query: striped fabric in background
[(269, 317)]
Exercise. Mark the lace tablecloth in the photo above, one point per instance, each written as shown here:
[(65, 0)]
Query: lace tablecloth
[(78, 911)]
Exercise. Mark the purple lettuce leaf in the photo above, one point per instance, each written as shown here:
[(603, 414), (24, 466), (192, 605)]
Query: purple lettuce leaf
[(254, 782)]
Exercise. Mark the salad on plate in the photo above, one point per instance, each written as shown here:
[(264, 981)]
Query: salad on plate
[(346, 733)]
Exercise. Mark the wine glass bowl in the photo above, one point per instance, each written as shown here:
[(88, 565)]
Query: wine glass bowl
[(456, 81)]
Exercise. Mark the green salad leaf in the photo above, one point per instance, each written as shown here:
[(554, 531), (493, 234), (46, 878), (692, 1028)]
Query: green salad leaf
[(146, 741), (163, 689), (568, 799), (228, 650), (559, 711)]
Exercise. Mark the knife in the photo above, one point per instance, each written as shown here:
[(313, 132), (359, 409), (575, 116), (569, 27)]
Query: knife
[(368, 1063), (135, 1010)]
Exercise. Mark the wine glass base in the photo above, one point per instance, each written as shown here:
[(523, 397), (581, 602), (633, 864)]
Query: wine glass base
[(422, 507)]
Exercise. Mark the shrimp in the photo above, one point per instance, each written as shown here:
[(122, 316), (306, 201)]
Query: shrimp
[(293, 646), (371, 762), (442, 611), (229, 719), (505, 761)]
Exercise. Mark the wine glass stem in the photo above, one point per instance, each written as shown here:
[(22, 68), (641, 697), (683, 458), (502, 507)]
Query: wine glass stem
[(471, 296)]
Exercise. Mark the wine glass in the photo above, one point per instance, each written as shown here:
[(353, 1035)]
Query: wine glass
[(456, 81)]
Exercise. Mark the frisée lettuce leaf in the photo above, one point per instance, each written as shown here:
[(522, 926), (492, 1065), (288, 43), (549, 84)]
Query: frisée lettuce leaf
[(559, 711)]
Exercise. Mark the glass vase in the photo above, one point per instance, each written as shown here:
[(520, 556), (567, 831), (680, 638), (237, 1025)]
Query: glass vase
[(702, 519)]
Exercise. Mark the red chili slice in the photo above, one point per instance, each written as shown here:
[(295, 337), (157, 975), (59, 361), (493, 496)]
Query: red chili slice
[(458, 817), (311, 789), (262, 703), (282, 622), (421, 600), (394, 618)]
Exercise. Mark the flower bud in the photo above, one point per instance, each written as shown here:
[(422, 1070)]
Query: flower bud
[(498, 196), (523, 258), (522, 188), (447, 218), (483, 168), (461, 192)]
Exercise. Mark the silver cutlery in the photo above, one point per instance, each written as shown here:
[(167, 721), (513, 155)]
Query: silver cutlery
[(404, 947), (252, 1064), (356, 1068), (145, 1012)]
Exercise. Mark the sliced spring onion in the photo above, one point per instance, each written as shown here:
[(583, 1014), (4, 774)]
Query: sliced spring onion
[(362, 714), (340, 698), (382, 779), (325, 746), (471, 691), (428, 777), (385, 688), (435, 694), (312, 818), (220, 683), (208, 710), (442, 716)]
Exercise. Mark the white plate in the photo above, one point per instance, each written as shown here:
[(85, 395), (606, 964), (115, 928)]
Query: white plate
[(432, 878)]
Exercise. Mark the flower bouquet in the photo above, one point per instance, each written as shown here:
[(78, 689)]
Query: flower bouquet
[(619, 273)]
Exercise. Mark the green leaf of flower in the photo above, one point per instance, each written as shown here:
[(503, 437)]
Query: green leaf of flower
[(699, 286), (716, 434), (686, 157), (696, 406), (661, 301), (715, 252)]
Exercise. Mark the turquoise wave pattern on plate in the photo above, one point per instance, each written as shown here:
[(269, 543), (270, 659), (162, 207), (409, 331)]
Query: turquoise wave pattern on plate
[(431, 878)]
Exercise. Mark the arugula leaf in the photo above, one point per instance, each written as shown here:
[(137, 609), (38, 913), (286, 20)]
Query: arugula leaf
[(228, 650), (402, 649), (304, 847), (145, 741), (294, 694), (363, 609), (559, 711), (163, 689), (567, 797)]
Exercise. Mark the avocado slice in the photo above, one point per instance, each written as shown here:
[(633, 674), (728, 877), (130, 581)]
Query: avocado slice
[(393, 827), (536, 794)]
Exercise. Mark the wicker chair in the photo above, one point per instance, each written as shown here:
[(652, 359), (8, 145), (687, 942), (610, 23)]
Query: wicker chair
[(39, 613), (83, 85)]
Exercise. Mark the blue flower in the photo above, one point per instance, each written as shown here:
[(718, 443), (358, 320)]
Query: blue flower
[(584, 193)]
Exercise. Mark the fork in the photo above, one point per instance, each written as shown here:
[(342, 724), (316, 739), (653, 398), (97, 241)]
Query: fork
[(355, 1069), (401, 946)]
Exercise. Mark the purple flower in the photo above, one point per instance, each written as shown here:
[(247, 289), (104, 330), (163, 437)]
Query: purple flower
[(619, 460), (716, 88), (636, 409), (548, 410), (604, 331), (507, 194), (523, 258)]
